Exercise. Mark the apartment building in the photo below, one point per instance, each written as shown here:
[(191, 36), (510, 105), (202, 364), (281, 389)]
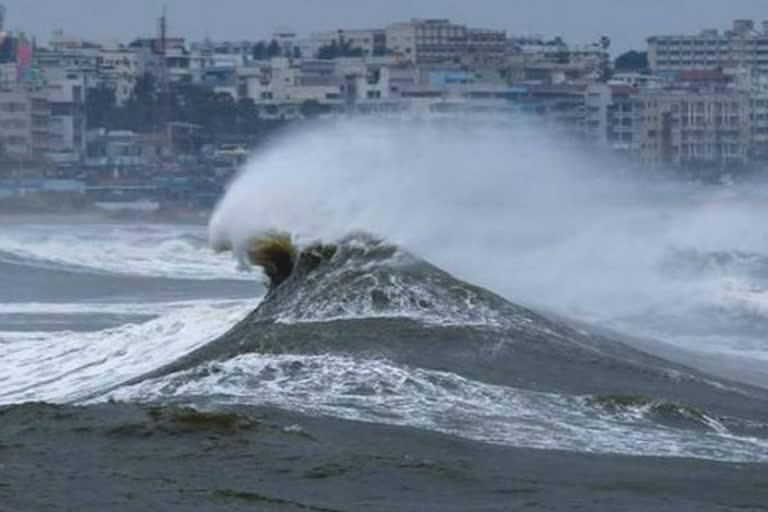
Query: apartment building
[(120, 68), (80, 62), (679, 129), (624, 118), (15, 123), (67, 125), (432, 41), (45, 119), (8, 76), (744, 45)]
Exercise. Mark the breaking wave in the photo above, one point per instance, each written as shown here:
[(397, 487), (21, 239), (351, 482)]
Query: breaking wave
[(523, 215), (363, 330), (358, 326)]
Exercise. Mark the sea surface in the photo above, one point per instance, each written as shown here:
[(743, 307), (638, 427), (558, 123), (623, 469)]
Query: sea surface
[(139, 370)]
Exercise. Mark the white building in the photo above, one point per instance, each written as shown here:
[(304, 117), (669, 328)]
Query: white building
[(597, 103), (743, 45), (77, 62), (15, 122), (8, 76), (638, 80), (65, 99), (120, 68)]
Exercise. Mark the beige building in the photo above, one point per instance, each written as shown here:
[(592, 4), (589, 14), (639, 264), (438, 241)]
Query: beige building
[(428, 41), (684, 129), (24, 122)]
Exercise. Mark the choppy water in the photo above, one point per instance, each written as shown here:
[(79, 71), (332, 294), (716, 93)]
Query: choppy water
[(374, 334)]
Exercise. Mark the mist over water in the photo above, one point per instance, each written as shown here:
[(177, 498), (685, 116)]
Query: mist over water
[(517, 211)]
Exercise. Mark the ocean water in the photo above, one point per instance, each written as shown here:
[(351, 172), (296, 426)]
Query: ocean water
[(646, 351), (91, 327)]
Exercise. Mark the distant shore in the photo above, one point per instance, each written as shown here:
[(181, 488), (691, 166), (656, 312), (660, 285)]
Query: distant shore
[(37, 213)]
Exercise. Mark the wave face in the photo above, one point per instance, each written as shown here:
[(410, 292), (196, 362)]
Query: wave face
[(370, 332)]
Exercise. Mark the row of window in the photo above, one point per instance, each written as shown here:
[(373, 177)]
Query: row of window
[(711, 149), (702, 107), (117, 62), (13, 107), (440, 32), (10, 124), (709, 63), (712, 42)]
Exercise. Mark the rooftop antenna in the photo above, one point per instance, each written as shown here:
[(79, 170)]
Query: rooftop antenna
[(162, 29)]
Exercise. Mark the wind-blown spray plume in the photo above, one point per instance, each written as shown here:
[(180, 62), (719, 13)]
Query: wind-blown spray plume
[(511, 209)]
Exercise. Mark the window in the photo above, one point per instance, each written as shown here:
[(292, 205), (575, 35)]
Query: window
[(62, 109)]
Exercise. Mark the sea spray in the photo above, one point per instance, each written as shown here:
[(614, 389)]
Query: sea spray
[(511, 208)]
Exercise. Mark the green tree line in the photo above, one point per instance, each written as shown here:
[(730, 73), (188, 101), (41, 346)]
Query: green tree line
[(148, 110)]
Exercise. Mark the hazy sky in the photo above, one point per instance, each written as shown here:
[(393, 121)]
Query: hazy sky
[(626, 22)]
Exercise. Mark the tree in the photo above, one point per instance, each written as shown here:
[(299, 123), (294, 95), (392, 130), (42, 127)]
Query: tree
[(632, 61), (246, 116), (259, 51), (296, 52), (328, 51), (605, 66), (274, 50), (146, 87), (557, 41), (562, 56), (100, 107), (140, 112), (312, 108), (341, 48)]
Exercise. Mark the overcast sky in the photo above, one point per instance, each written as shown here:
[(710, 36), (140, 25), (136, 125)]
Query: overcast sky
[(626, 22)]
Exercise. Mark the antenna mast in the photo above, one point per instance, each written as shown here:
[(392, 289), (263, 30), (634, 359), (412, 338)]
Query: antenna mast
[(163, 86)]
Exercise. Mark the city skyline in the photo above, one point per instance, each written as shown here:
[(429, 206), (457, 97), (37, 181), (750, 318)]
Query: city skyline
[(577, 22)]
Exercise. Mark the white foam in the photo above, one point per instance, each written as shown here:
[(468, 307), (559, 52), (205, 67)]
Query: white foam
[(111, 308), (157, 250), (65, 366), (383, 392), (335, 295)]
